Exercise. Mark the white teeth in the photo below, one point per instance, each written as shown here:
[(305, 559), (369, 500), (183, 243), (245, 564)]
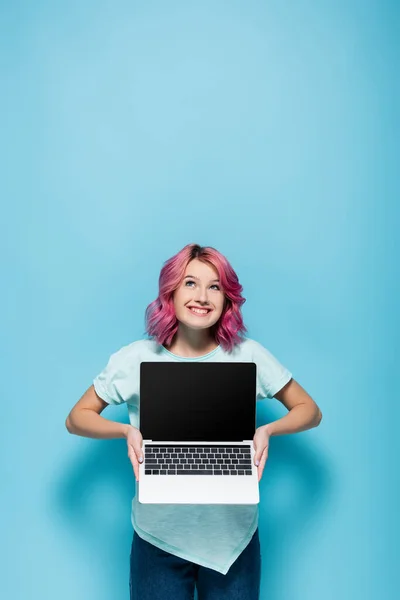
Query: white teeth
[(198, 310)]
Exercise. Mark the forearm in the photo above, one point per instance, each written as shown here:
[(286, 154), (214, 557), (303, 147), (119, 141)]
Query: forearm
[(299, 418), (88, 423)]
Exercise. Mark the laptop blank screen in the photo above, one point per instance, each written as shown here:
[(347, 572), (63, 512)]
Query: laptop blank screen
[(197, 401)]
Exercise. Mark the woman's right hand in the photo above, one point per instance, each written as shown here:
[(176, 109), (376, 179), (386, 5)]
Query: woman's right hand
[(134, 441)]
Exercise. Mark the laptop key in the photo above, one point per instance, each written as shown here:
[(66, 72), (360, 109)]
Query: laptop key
[(185, 472)]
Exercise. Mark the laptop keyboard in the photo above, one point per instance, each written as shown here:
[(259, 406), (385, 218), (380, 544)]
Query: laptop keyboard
[(197, 460)]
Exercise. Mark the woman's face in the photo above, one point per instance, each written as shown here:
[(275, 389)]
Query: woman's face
[(199, 289)]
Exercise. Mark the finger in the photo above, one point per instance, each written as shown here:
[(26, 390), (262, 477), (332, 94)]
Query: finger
[(134, 461), (140, 459), (262, 463), (264, 457), (258, 456), (139, 456)]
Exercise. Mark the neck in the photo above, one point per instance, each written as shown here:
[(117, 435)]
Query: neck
[(192, 342)]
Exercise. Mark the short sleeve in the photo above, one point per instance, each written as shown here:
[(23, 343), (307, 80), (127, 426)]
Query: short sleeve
[(112, 384), (272, 376)]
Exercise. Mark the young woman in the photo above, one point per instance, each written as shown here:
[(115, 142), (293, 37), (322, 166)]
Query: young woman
[(177, 547)]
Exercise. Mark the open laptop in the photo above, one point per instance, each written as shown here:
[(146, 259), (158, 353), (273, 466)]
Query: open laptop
[(198, 420)]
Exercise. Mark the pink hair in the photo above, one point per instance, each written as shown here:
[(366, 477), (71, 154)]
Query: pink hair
[(161, 322)]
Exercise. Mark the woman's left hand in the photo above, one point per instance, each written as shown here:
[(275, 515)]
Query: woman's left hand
[(261, 443)]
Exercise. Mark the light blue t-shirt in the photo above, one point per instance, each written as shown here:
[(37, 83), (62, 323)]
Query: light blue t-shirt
[(212, 535)]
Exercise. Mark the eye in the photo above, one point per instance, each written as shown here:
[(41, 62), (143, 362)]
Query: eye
[(213, 285)]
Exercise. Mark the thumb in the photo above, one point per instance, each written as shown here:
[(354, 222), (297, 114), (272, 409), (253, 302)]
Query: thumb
[(135, 447)]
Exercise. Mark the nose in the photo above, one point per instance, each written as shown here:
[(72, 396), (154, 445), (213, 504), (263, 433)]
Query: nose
[(201, 295)]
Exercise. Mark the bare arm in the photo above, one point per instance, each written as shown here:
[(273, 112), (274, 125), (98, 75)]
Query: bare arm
[(303, 414), (85, 420)]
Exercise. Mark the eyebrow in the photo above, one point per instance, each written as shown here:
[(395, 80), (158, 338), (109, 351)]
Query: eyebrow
[(193, 277)]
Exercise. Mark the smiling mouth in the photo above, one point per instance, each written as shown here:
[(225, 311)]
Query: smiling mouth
[(202, 312)]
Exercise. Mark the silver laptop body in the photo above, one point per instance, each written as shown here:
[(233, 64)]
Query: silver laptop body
[(198, 420)]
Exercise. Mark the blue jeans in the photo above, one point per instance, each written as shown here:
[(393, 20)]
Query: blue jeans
[(158, 575)]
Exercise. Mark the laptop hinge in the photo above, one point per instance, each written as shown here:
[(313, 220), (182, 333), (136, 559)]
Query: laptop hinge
[(245, 441)]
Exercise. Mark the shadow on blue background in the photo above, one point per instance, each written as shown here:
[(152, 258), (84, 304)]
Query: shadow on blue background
[(295, 487)]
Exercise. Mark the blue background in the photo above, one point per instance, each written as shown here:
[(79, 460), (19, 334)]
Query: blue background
[(269, 130)]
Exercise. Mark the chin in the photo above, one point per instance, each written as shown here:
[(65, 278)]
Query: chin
[(192, 325)]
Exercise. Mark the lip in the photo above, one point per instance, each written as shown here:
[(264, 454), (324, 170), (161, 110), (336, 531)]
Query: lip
[(198, 314)]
